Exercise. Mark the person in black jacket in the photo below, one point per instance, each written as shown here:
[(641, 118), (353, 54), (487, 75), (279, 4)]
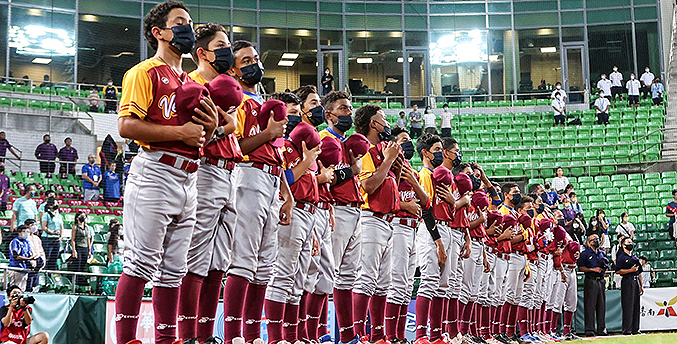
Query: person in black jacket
[(629, 266)]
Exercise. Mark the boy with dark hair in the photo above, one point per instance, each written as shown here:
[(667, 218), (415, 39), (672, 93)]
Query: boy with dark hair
[(311, 109)]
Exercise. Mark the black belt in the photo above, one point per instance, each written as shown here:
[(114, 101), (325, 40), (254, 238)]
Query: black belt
[(636, 278), (595, 278)]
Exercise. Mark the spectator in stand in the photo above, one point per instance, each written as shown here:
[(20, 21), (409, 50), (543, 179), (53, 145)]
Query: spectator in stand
[(24, 207), (33, 279), (46, 83), (16, 320), (4, 146), (543, 86), (578, 228), (574, 203), (560, 181), (91, 178), (416, 125), (111, 180), (68, 155), (569, 212), (559, 106), (115, 243), (447, 117), (560, 91), (648, 274), (4, 189), (19, 255), (46, 153), (625, 228), (604, 85), (429, 119), (647, 79), (633, 85), (657, 90), (551, 197), (81, 245), (41, 209), (602, 105), (599, 226), (402, 121), (614, 256), (670, 211), (52, 229), (94, 100), (616, 83), (110, 92)]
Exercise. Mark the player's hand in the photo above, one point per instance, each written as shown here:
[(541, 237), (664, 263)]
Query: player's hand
[(193, 134), (641, 290), (316, 246), (311, 154), (597, 269), (276, 129), (487, 267), (557, 252), (412, 207), (208, 116), (229, 116), (57, 233), (390, 151), (409, 175), (633, 268), (326, 174), (465, 252), (397, 164), (564, 277), (75, 254), (355, 162), (441, 252), (444, 194), (285, 212), (332, 219)]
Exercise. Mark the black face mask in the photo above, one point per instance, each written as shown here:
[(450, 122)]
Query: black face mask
[(344, 123), (293, 122), (516, 198), (47, 141), (408, 149), (184, 38), (541, 208), (223, 60), (630, 247), (252, 74), (438, 159), (459, 158), (595, 243), (561, 222), (81, 219), (385, 134), (476, 183), (530, 212), (316, 115)]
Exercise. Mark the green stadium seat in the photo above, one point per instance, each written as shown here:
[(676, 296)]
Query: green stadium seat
[(21, 103), (5, 101)]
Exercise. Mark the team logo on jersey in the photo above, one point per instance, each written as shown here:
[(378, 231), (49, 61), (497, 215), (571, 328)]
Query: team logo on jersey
[(168, 106), (254, 112), (669, 310), (254, 130), (164, 80)]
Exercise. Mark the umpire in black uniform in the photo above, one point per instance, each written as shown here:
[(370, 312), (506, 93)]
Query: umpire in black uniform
[(593, 262), (629, 266)]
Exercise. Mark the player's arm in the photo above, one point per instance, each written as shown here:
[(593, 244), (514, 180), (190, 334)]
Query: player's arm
[(288, 205), (309, 156), (374, 181), (480, 220), (409, 175), (517, 238), (274, 130)]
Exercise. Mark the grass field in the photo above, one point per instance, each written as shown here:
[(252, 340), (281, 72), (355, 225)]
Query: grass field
[(654, 338)]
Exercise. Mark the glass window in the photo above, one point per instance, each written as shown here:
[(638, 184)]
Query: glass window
[(646, 13), (500, 60), (572, 17), (244, 17), (606, 4), (246, 4), (290, 58), (499, 8), (3, 43), (109, 7), (328, 37), (539, 60), (331, 21), (42, 45), (500, 20), (107, 48), (458, 62), (243, 33), (535, 6), (330, 7), (540, 19), (610, 45), (410, 8), (63, 4), (211, 15), (375, 64), (571, 4), (416, 38), (415, 22), (573, 34), (618, 15), (648, 53)]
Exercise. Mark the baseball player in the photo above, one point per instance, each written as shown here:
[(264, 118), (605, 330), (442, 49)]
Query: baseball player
[(530, 293), (555, 284), (161, 192), (570, 256), (210, 243), (312, 111), (347, 236), (412, 200), (379, 178), (258, 185)]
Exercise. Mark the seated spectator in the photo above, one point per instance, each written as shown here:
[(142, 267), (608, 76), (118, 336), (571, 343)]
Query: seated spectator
[(578, 228), (16, 318), (560, 181), (551, 197), (670, 211), (94, 100), (657, 90), (602, 105), (46, 82), (648, 274), (111, 180), (574, 202), (625, 228), (566, 193), (33, 280), (568, 211), (429, 119), (52, 228), (402, 121), (19, 255)]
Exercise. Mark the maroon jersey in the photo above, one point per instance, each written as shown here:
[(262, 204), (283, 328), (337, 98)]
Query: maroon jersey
[(479, 231), (348, 191), (407, 194), (460, 214), (385, 199), (248, 126), (305, 188)]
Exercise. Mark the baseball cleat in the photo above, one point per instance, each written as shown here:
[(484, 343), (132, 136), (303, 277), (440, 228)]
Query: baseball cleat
[(238, 340), (571, 336), (135, 341), (422, 340), (325, 338), (525, 339), (213, 340), (355, 340), (381, 341), (190, 341)]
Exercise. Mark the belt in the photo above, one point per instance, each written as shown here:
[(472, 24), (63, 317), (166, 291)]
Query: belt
[(569, 266), (324, 205), (385, 217), (228, 164), (635, 278), (595, 278), (543, 255), (274, 170), (409, 222), (180, 163), (499, 254), (533, 261), (349, 204), (309, 207)]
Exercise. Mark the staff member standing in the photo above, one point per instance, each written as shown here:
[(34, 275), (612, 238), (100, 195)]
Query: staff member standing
[(593, 263), (416, 123), (629, 266)]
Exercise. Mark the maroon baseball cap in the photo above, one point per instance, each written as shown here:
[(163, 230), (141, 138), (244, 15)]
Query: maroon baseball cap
[(225, 91), (463, 183), (573, 247), (509, 221), (357, 143), (279, 109), (304, 132), (544, 225), (525, 220), (442, 175), (560, 234), (188, 97), (494, 217), (480, 199), (331, 152)]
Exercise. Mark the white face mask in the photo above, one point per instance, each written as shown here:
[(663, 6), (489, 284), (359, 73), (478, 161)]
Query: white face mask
[(110, 84), (615, 69), (603, 77), (601, 94), (559, 87), (594, 223), (647, 70), (632, 77), (576, 225)]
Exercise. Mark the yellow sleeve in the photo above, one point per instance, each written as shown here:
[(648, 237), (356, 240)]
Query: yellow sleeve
[(137, 95), (504, 210), (368, 167), (426, 182), (241, 117)]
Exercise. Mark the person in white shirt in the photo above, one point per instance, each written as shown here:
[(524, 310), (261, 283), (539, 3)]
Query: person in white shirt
[(429, 122), (560, 181), (633, 85), (604, 84), (625, 228), (647, 79), (558, 89), (560, 108), (648, 275), (447, 117), (616, 83), (602, 105)]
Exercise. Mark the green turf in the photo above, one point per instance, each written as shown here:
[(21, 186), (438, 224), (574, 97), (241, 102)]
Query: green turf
[(656, 338)]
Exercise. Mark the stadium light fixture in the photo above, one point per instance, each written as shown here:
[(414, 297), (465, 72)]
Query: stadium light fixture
[(41, 60), (290, 56), (401, 59), (365, 60), (286, 63), (548, 50)]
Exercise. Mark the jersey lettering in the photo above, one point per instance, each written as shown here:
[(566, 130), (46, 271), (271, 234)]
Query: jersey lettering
[(254, 130), (168, 106)]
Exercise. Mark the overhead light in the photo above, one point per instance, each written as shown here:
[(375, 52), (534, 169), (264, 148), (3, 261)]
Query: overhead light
[(41, 60), (395, 34), (493, 57), (290, 56), (89, 18), (286, 63), (365, 60), (35, 12), (545, 32), (237, 29), (271, 31), (548, 50), (303, 33), (371, 53), (401, 59), (363, 34)]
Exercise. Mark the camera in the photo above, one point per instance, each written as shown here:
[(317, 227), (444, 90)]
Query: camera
[(29, 300)]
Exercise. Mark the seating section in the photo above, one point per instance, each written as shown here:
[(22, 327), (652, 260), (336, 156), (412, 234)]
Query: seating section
[(20, 94)]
